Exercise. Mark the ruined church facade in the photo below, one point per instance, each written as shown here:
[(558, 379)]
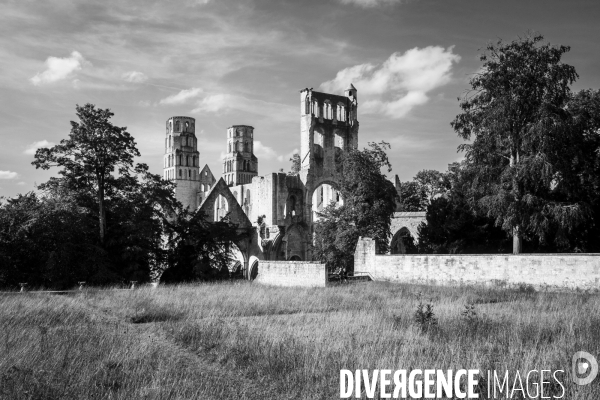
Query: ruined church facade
[(277, 209)]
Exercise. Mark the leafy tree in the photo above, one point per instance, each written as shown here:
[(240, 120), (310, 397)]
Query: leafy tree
[(413, 197), (296, 166), (200, 249), (48, 241), (455, 224), (515, 115), (369, 202), (433, 183), (94, 151)]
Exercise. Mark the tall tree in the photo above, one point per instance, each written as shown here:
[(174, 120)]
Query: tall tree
[(515, 115), (433, 183), (413, 197), (369, 202), (94, 151), (455, 223)]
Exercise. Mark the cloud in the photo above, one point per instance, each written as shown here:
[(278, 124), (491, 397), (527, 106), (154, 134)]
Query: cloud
[(134, 77), (262, 151), (222, 103), (401, 83), (286, 157), (21, 183), (8, 175), (371, 3), (182, 97), (59, 69), (31, 149)]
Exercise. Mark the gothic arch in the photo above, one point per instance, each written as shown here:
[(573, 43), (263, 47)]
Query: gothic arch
[(403, 242)]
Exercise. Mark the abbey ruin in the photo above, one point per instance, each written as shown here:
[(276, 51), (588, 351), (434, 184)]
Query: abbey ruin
[(277, 210)]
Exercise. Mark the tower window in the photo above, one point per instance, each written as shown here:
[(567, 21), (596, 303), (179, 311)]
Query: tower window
[(180, 173), (189, 173), (177, 126)]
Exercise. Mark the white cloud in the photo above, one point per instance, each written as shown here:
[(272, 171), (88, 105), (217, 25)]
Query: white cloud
[(135, 77), (401, 83), (371, 3), (36, 145), (182, 97), (217, 103), (286, 157), (21, 183), (214, 103), (59, 68), (262, 151), (8, 175)]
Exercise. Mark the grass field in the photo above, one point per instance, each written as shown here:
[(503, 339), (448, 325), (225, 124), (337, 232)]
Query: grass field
[(245, 341)]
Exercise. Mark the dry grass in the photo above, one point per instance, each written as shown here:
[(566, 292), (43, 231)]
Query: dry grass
[(245, 341)]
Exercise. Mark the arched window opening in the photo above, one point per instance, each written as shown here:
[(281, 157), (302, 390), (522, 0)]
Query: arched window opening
[(177, 126), (290, 207), (247, 147), (327, 114), (221, 208), (403, 242), (315, 108), (169, 140), (189, 173), (180, 173), (187, 124), (324, 196), (229, 148), (187, 161)]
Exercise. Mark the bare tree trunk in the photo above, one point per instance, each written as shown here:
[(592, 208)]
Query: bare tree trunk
[(517, 240)]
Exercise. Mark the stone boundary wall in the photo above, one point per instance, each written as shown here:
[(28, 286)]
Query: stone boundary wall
[(292, 273), (542, 271)]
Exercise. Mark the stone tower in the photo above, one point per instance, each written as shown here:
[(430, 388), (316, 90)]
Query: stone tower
[(182, 160), (328, 129), (240, 164)]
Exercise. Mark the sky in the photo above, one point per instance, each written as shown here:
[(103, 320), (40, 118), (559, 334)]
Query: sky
[(229, 63)]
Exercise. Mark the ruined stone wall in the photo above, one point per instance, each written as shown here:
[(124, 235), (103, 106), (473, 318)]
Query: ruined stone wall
[(409, 220), (186, 191), (552, 271), (262, 199), (292, 273)]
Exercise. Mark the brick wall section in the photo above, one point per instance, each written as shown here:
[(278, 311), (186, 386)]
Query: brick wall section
[(549, 271), (292, 273)]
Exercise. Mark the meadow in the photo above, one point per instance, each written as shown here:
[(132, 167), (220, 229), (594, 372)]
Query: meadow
[(245, 341)]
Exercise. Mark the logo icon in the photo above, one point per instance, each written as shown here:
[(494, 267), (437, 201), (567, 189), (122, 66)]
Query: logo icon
[(584, 368)]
